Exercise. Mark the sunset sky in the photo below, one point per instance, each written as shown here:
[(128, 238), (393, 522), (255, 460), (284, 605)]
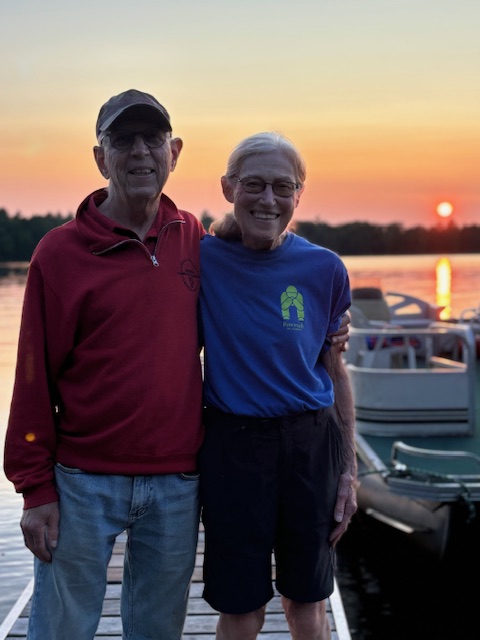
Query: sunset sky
[(381, 97)]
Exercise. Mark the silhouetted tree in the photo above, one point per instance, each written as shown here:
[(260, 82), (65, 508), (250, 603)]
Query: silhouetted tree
[(19, 236)]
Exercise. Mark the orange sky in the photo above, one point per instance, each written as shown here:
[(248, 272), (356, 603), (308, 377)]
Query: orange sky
[(382, 98)]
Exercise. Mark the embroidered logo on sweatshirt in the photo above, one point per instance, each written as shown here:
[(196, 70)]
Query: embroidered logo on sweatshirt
[(293, 309), (190, 275)]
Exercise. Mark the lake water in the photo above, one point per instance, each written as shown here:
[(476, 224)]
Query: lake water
[(16, 564), (379, 604)]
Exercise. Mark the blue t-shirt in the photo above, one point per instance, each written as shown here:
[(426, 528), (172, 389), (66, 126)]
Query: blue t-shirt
[(264, 317)]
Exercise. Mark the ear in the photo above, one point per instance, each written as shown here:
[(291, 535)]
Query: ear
[(228, 189), (176, 145), (99, 154), (297, 195)]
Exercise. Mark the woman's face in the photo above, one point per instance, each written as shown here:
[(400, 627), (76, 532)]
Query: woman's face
[(263, 217)]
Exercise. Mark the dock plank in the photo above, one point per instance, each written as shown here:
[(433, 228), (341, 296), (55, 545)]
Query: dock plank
[(201, 618)]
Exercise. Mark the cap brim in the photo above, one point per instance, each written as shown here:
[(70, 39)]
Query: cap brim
[(139, 107)]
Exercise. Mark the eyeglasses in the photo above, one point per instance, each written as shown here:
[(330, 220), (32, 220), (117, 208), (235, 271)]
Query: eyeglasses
[(256, 185), (123, 140)]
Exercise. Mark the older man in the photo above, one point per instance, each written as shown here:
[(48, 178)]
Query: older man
[(105, 422)]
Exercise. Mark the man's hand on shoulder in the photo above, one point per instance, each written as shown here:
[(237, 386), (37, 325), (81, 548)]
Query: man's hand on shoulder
[(340, 339)]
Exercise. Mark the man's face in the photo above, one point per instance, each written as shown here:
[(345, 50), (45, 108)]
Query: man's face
[(137, 157)]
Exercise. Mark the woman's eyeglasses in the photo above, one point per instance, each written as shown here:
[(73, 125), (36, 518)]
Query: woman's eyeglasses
[(280, 188)]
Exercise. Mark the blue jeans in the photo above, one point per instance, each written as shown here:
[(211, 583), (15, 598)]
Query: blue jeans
[(161, 516)]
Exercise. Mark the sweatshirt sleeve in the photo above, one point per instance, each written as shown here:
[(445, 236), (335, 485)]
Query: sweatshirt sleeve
[(31, 440)]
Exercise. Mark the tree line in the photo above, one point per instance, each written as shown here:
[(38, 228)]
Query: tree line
[(19, 236), (365, 239)]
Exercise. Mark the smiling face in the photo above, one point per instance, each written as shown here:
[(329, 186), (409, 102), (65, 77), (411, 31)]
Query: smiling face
[(262, 217), (138, 173)]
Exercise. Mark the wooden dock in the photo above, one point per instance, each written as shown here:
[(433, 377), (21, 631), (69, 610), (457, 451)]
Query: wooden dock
[(201, 618)]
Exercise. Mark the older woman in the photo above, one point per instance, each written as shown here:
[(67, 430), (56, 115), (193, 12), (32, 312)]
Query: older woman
[(278, 466)]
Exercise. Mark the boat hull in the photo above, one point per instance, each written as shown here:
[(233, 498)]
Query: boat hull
[(436, 527), (425, 524)]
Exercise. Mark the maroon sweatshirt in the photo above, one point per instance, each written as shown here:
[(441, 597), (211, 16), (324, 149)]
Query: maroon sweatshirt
[(108, 375)]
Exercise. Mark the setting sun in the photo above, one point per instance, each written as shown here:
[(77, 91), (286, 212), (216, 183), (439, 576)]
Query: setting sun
[(444, 209)]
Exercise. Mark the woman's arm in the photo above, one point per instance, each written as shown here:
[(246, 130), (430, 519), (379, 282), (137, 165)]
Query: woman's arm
[(344, 410)]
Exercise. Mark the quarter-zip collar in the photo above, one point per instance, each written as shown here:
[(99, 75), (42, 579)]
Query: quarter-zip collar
[(103, 234)]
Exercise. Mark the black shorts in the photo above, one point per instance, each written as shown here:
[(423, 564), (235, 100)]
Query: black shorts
[(268, 486)]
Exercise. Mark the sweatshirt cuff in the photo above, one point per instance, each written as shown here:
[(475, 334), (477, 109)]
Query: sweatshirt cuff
[(37, 496)]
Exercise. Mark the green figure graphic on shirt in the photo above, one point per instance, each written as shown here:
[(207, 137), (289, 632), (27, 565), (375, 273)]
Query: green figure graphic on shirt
[(291, 297)]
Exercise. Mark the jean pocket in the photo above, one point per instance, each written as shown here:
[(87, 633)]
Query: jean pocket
[(70, 470), (190, 476)]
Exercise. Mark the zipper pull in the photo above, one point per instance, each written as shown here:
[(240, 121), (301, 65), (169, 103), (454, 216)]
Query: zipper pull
[(154, 261)]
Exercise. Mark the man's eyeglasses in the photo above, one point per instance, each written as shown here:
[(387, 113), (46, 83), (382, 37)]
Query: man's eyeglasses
[(256, 185), (123, 140)]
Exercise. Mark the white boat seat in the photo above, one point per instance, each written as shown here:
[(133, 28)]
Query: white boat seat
[(394, 307), (372, 303), (377, 351)]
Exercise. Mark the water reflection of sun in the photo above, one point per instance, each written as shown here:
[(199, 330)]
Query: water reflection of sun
[(444, 209), (444, 286)]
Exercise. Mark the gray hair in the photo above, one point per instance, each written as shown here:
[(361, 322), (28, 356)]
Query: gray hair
[(263, 143)]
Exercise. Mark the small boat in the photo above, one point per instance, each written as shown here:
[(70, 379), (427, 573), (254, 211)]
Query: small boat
[(417, 444)]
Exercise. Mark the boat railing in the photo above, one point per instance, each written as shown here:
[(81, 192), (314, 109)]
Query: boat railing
[(435, 482), (420, 452)]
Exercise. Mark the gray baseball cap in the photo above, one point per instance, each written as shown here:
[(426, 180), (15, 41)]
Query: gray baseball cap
[(117, 105)]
